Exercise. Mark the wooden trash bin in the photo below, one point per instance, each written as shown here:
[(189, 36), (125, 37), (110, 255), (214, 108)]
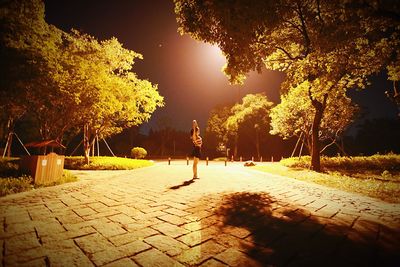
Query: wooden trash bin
[(45, 169)]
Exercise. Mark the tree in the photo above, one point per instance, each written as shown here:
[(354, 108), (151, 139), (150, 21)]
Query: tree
[(335, 45), (69, 81), (292, 117), (254, 110), (216, 125), (110, 96)]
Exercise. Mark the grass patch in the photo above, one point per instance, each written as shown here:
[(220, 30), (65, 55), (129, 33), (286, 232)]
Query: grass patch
[(12, 185), (105, 163), (376, 176), (220, 159), (13, 180)]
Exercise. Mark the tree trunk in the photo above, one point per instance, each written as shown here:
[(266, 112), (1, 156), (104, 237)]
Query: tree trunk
[(258, 142), (315, 150), (86, 143), (235, 151)]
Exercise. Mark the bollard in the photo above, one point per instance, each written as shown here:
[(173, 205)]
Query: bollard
[(252, 158), (206, 161), (169, 161), (225, 161), (261, 159), (232, 158), (272, 158), (241, 158), (187, 160)]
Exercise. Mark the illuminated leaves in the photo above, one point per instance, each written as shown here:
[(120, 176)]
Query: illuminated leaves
[(68, 80)]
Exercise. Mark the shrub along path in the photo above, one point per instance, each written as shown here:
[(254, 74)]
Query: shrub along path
[(158, 216)]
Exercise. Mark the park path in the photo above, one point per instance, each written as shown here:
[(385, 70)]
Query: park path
[(231, 216)]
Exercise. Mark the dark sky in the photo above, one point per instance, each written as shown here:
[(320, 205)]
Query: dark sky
[(188, 72)]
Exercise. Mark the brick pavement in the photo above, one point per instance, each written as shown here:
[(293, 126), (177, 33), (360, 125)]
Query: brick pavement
[(231, 216)]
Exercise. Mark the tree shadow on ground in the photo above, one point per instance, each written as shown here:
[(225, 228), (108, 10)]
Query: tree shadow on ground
[(284, 235), (185, 183)]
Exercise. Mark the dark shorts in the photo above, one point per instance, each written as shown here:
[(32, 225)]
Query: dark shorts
[(196, 152)]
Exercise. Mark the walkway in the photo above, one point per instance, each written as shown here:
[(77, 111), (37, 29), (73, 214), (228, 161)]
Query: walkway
[(231, 216)]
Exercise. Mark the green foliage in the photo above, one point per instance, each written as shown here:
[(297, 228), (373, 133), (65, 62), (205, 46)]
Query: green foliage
[(138, 152), (68, 80), (254, 107), (105, 163), (12, 185), (9, 167), (361, 175), (332, 45), (378, 163)]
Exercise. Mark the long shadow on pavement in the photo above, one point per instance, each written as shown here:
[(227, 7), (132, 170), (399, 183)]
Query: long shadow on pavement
[(287, 236), (185, 183)]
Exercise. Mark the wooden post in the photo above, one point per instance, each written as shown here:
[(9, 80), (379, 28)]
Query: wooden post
[(225, 161), (261, 159), (207, 161), (272, 158), (241, 158), (252, 158), (232, 158), (187, 160), (169, 161)]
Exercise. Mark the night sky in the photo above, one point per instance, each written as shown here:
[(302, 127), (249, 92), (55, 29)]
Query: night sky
[(188, 72)]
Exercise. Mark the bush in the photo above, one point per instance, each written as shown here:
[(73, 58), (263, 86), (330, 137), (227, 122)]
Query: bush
[(379, 163), (138, 152), (9, 168), (105, 163), (12, 185)]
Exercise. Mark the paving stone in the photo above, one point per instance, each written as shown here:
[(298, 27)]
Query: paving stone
[(133, 248), (68, 234), (213, 263), (166, 244), (146, 216), (155, 258), (45, 228), (153, 209), (230, 241), (19, 228), (109, 229), (20, 243), (68, 217), (93, 243), (170, 229), (55, 205), (132, 236), (84, 211), (133, 227), (237, 231), (200, 253), (296, 236), (122, 219), (70, 257), (21, 216), (122, 263), (233, 257), (97, 206), (172, 219), (193, 226), (194, 238), (177, 212)]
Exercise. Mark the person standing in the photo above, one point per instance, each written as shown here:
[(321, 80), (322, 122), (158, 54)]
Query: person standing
[(197, 143)]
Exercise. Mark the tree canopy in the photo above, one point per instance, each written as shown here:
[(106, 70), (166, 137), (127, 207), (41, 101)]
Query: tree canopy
[(333, 45), (68, 80)]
